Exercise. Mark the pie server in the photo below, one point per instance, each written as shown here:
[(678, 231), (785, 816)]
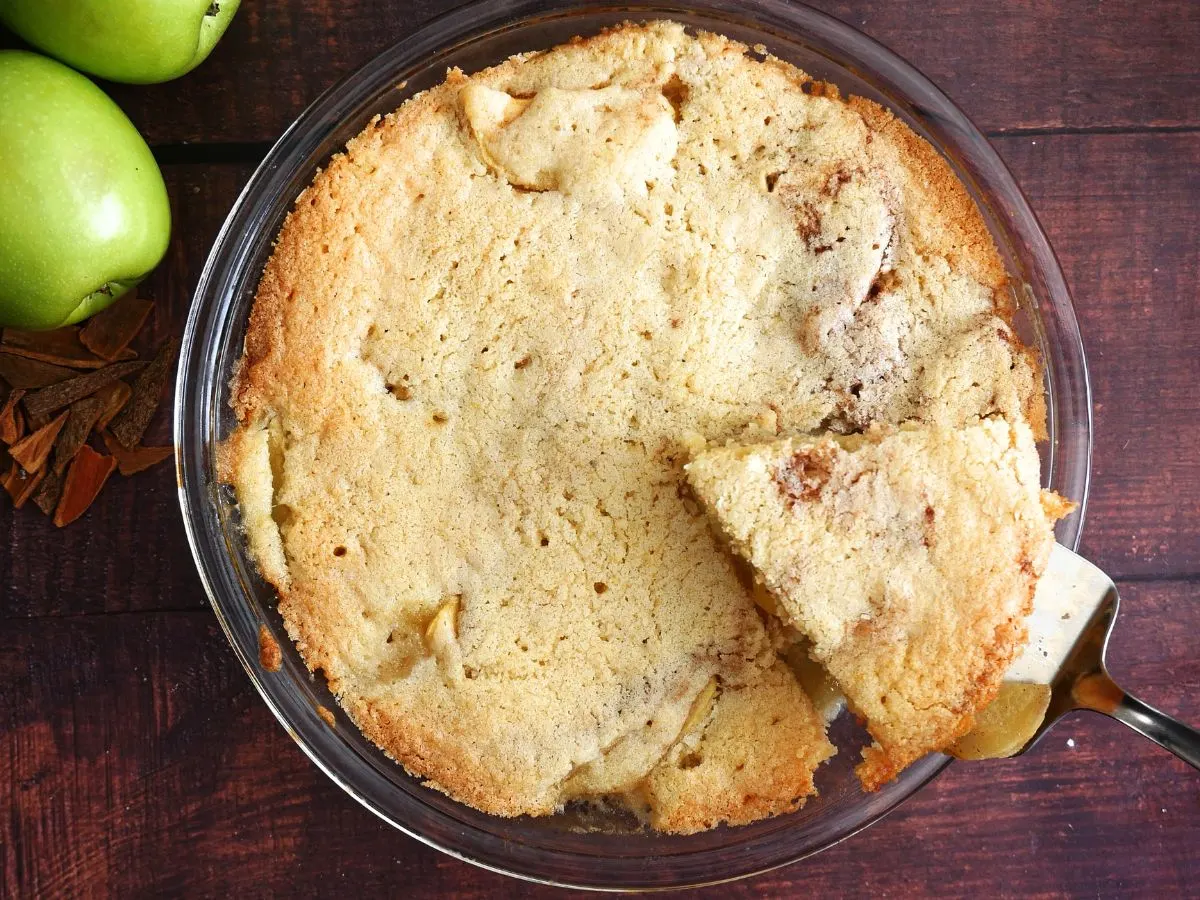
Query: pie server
[(1063, 668)]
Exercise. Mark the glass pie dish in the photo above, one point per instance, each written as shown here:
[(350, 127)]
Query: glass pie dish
[(583, 846)]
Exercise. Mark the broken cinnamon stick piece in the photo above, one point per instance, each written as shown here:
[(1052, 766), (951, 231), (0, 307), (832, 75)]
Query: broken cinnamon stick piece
[(88, 362), (31, 451), (12, 423), (59, 342), (61, 347), (131, 422), (20, 484), (56, 396), (131, 460), (81, 416), (109, 331), (114, 396), (29, 374), (17, 431), (47, 495), (87, 475)]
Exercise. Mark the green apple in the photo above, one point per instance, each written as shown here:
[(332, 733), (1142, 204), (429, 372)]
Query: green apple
[(83, 209), (136, 41)]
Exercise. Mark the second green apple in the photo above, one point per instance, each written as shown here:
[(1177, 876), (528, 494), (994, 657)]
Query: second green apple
[(135, 41), (83, 209)]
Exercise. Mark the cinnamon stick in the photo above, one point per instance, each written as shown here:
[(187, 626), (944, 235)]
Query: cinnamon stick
[(87, 475), (131, 460), (131, 422), (109, 331), (61, 347), (81, 416), (12, 423), (114, 397), (56, 396), (21, 484), (29, 374), (47, 495), (31, 451)]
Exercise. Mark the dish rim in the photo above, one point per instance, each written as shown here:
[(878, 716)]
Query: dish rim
[(1068, 389)]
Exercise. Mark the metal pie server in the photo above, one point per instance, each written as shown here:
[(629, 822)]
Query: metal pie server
[(1074, 611)]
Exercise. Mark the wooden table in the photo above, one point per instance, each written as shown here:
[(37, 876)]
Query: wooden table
[(136, 759)]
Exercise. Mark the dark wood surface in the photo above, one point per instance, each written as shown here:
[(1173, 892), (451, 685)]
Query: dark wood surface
[(136, 759)]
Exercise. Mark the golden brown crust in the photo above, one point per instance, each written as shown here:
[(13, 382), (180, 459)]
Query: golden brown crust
[(768, 776), (270, 657), (1034, 405), (956, 230), (881, 765)]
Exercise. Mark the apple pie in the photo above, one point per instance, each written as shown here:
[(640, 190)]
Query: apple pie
[(487, 340)]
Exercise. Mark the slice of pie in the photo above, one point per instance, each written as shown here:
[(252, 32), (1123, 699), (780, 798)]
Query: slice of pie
[(907, 556)]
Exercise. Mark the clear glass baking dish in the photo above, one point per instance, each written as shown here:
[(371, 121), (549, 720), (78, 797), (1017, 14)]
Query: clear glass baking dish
[(580, 847)]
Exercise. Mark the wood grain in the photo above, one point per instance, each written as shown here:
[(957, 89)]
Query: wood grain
[(136, 760), (1033, 64), (1123, 212)]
